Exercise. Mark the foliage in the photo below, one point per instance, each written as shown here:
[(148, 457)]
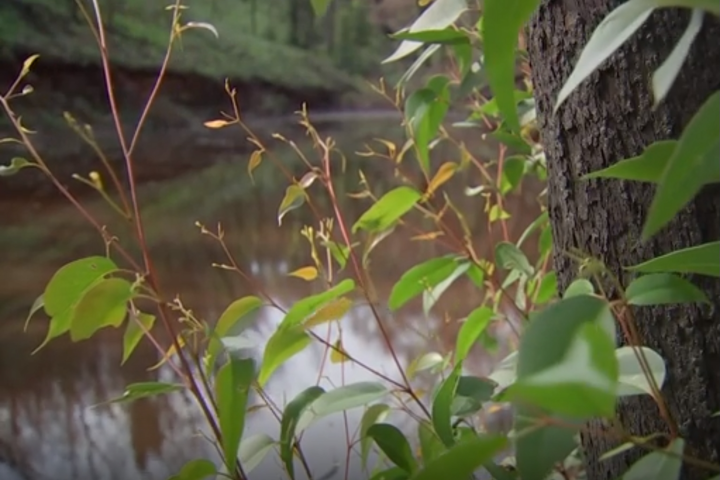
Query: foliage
[(568, 367)]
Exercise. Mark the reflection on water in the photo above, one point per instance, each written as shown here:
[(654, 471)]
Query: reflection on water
[(47, 426)]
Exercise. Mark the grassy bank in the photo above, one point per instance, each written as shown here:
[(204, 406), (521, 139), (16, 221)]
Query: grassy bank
[(253, 46)]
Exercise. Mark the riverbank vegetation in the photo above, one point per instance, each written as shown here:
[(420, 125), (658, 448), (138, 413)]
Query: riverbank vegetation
[(611, 293)]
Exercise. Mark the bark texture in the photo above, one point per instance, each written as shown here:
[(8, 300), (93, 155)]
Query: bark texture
[(609, 118)]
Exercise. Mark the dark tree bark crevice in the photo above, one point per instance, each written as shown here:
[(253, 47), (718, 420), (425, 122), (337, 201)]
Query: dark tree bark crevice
[(608, 118)]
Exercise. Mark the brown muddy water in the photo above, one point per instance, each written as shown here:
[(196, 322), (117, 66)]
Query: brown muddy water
[(48, 428)]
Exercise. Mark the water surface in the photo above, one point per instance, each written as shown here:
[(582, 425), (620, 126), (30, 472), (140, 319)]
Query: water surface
[(48, 429)]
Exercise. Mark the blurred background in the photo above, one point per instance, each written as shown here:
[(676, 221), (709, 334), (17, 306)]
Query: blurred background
[(278, 56)]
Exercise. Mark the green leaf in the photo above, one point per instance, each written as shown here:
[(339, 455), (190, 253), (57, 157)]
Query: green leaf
[(463, 459), (393, 473), (430, 445), (439, 15), (232, 314), (547, 289), (647, 167), (420, 277), (505, 373), (320, 7), (694, 160), (551, 332), (232, 388), (539, 449), (582, 385), (474, 326), (510, 257), (306, 307), (702, 259), (470, 395), (134, 331), (425, 361), (284, 344), (659, 465), (612, 32), (581, 286), (294, 198), (16, 164), (196, 470), (632, 379), (135, 391), (447, 36), (69, 283), (513, 170), (386, 211), (374, 414), (38, 304), (663, 288), (432, 296), (340, 399), (253, 451), (541, 220), (665, 75), (394, 445), (501, 24), (425, 110), (289, 423), (441, 407), (102, 305)]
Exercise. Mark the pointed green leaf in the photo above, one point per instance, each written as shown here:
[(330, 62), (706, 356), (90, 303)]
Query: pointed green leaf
[(102, 305), (284, 344), (665, 75), (648, 167), (36, 306), (289, 423), (16, 164), (232, 388), (374, 414), (659, 465), (134, 331), (253, 451), (510, 257), (694, 161), (431, 446), (471, 329), (501, 24), (702, 259), (539, 449), (306, 307), (442, 407), (394, 445), (663, 288), (441, 14), (236, 311), (388, 209), (462, 459), (196, 470), (343, 398), (70, 282), (420, 277), (430, 297), (135, 391), (294, 198), (610, 35)]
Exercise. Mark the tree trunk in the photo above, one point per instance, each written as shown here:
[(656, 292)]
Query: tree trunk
[(607, 119)]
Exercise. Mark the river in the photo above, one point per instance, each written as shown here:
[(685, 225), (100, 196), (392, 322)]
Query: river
[(48, 426)]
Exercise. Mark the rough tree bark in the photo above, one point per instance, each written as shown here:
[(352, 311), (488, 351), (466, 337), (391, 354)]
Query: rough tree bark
[(607, 119)]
